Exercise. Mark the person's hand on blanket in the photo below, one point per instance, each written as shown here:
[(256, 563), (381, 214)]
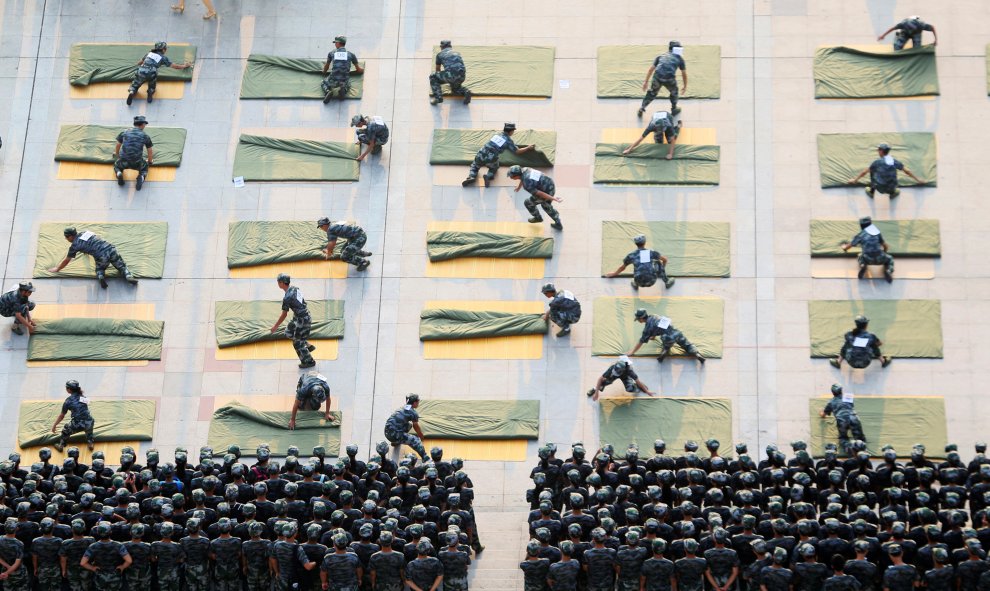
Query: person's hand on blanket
[(292, 424)]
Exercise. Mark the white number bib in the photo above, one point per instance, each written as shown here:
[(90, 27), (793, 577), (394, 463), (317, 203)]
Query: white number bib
[(644, 256), (568, 295), (377, 120), (498, 140), (664, 322), (848, 397), (340, 56), (84, 400), (872, 230), (861, 342), (535, 176), (155, 57), (888, 160), (86, 235)]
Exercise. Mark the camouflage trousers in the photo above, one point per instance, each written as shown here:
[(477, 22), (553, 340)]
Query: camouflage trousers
[(282, 584), (676, 337), (144, 75), (667, 135), (18, 581), (878, 259), (655, 85), (169, 581), (78, 578), (845, 423), (627, 382), (226, 582), (107, 580), (336, 87), (395, 586), (408, 439), (484, 157), (113, 259), (76, 426), (886, 188), (901, 38), (122, 164), (138, 578), (258, 580), (49, 578), (564, 319), (531, 204), (197, 578), (627, 584), (455, 78), (298, 330), (351, 253), (362, 137), (648, 279), (455, 584)]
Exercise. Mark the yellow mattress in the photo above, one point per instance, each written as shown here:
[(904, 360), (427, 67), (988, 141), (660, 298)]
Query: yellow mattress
[(91, 171)]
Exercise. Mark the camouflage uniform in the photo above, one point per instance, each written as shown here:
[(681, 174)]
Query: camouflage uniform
[(356, 238), (489, 153), (662, 127), (601, 571), (423, 571), (299, 327), (658, 572), (665, 68), (388, 569), (12, 302), (106, 556), (860, 356), (341, 571), (865, 572), (452, 73), (565, 310), (455, 569), (845, 419), (104, 254), (872, 249), (397, 429), (627, 376), (132, 144), (721, 561), (307, 397), (197, 570), (168, 558), (810, 576), (227, 566), (775, 579), (668, 337), (533, 181), (138, 574), (148, 72), (12, 549), (647, 267), (375, 130), (901, 577), (338, 80), (256, 554), (535, 574), (690, 573), (285, 554), (49, 577), (630, 560), (883, 174), (940, 579), (78, 405), (910, 29), (72, 551), (842, 583)]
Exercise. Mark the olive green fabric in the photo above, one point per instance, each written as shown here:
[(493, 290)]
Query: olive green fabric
[(447, 324), (647, 165), (615, 329), (444, 246), (900, 421), (622, 70), (507, 70), (96, 143), (907, 238), (459, 146), (140, 244), (90, 63), (479, 419), (643, 420), (908, 328), (847, 72), (247, 428), (116, 420), (258, 243), (842, 156), (274, 77), (96, 339), (242, 322), (693, 249), (262, 158)]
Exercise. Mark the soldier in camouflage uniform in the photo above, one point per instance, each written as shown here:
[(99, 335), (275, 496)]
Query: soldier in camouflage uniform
[(621, 370), (284, 558), (723, 562), (542, 193), (663, 129), (71, 552), (661, 327), (535, 569), (311, 555), (256, 553), (301, 323), (691, 569), (940, 578), (564, 309), (339, 62), (148, 71), (355, 236), (78, 405), (341, 570), (450, 70), (45, 551), (426, 572), (657, 573), (104, 254), (12, 559), (874, 249), (860, 347), (775, 577), (630, 558), (388, 568), (846, 419), (840, 581), (225, 552), (17, 303), (883, 174), (563, 574), (455, 564), (899, 576), (663, 73), (648, 266), (197, 558), (402, 420), (599, 563), (168, 557), (138, 576), (106, 559), (489, 153), (312, 391), (909, 29), (371, 132), (809, 575), (129, 153)]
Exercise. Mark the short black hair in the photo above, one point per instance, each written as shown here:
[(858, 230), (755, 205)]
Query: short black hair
[(838, 562)]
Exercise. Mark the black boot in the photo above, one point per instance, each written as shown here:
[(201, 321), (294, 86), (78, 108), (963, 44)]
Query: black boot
[(130, 98)]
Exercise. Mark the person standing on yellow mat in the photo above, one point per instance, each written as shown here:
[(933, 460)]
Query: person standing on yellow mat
[(355, 236), (909, 29), (663, 73), (541, 189), (621, 370), (453, 73), (78, 406), (301, 323), (489, 153), (648, 266), (371, 132), (860, 347), (17, 303), (104, 254), (883, 174), (338, 63), (661, 327), (148, 71), (312, 391), (662, 127), (564, 309), (129, 153), (398, 425), (874, 249)]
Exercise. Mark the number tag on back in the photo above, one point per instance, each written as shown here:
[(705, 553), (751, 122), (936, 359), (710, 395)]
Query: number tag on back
[(340, 56), (861, 342), (888, 160), (153, 57), (872, 230), (377, 120), (848, 397), (535, 175), (644, 256), (664, 322), (498, 140), (86, 235)]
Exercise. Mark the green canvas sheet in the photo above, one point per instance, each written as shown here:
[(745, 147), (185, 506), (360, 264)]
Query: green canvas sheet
[(900, 421), (260, 243), (90, 63), (480, 419), (908, 328), (647, 165), (847, 72), (95, 143), (459, 146), (446, 324), (237, 424), (908, 238), (242, 322), (615, 330), (444, 246), (507, 70), (622, 70), (261, 158), (116, 420), (693, 249), (96, 339), (274, 77), (140, 244), (643, 420), (842, 156)]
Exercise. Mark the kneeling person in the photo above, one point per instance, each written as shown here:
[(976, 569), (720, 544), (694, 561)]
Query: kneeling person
[(312, 392), (453, 73), (883, 174), (371, 132), (564, 309), (660, 327), (648, 266), (355, 236), (541, 191), (17, 303), (663, 129), (621, 370), (489, 154), (860, 347), (129, 153), (338, 63), (104, 254), (148, 71), (874, 249)]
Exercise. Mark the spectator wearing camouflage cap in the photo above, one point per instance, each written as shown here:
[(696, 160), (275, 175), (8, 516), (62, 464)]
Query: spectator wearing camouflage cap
[(535, 569), (106, 559), (339, 61), (455, 561), (425, 573), (225, 554)]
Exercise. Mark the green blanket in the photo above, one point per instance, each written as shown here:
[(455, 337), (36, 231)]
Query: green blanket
[(140, 244), (615, 330), (459, 146), (842, 156), (447, 325), (622, 70), (507, 70), (96, 339), (646, 165), (90, 63), (242, 322), (259, 243), (274, 77), (96, 143), (237, 424), (644, 420), (116, 420), (908, 328), (909, 238), (444, 246), (846, 72), (261, 158), (693, 249), (900, 421), (480, 419)]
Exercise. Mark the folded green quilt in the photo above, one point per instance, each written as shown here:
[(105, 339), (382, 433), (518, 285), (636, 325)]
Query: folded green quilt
[(242, 322), (507, 70), (258, 243), (644, 420), (261, 158), (274, 77), (693, 249), (96, 143), (908, 328), (842, 156), (847, 72), (96, 339), (908, 238), (459, 146), (615, 329), (140, 244), (646, 165), (447, 325), (237, 424), (480, 419), (900, 421), (116, 420), (90, 63), (622, 70), (444, 246)]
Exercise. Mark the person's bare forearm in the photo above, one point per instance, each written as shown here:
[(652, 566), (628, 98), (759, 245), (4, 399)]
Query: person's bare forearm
[(617, 271), (151, 155)]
